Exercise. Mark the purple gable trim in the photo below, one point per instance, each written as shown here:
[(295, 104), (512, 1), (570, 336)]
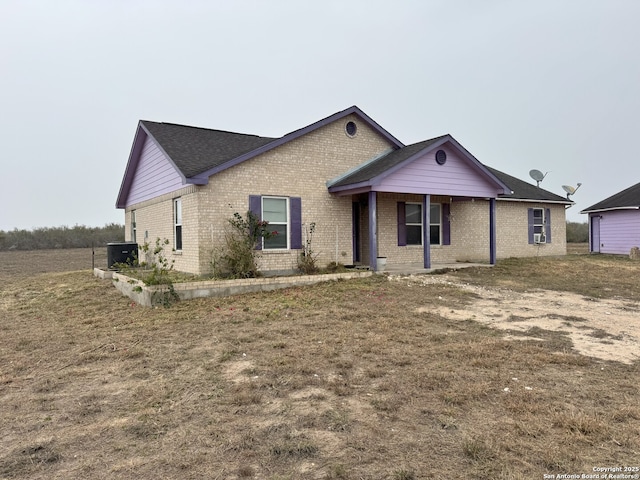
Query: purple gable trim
[(203, 178), (142, 134), (155, 175), (377, 182), (478, 167)]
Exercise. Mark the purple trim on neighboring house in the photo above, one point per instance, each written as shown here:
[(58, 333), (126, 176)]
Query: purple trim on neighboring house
[(492, 231), (203, 177), (446, 224), (295, 216), (619, 231), (426, 229), (594, 232), (402, 224), (373, 232)]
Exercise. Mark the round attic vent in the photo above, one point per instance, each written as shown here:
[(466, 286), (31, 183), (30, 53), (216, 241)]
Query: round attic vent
[(351, 128), (441, 157)]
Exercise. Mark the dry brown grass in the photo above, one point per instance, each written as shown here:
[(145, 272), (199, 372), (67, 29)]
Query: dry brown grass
[(334, 381)]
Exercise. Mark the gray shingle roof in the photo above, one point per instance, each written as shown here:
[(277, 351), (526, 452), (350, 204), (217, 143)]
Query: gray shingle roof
[(627, 198), (195, 150), (525, 191)]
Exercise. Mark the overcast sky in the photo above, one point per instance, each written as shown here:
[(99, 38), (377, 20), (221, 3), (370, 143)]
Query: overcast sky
[(546, 84)]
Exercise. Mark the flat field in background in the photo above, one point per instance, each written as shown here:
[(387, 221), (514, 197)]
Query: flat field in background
[(344, 380)]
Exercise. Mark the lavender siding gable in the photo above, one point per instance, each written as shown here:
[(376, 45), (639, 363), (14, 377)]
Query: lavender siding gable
[(457, 177), (155, 175), (619, 231)]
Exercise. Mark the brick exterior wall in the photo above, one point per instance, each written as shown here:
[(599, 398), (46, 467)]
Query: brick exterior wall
[(512, 226), (469, 221), (301, 168), (154, 219)]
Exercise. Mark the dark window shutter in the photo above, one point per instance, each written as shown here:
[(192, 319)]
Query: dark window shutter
[(255, 207), (547, 225), (402, 225), (530, 214), (295, 214), (446, 224)]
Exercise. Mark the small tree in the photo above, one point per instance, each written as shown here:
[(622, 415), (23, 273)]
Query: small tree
[(238, 256), (307, 258)]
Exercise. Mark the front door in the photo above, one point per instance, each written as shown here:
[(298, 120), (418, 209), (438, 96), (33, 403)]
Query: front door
[(595, 234), (355, 214)]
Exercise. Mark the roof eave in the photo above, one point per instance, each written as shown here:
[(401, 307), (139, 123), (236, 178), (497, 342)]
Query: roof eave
[(446, 138), (352, 188), (132, 163), (134, 159), (599, 210), (536, 200)]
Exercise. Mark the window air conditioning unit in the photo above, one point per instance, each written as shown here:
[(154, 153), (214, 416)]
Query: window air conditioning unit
[(539, 238)]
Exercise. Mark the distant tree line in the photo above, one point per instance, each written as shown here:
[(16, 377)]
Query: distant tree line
[(577, 232), (79, 236)]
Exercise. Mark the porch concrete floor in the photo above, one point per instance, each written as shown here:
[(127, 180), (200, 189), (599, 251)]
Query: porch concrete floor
[(417, 268)]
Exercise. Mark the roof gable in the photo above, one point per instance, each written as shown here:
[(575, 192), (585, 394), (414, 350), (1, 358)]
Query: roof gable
[(412, 169), (197, 153), (301, 132), (628, 198)]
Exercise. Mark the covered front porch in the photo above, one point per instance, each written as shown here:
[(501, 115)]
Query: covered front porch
[(409, 231), (397, 197)]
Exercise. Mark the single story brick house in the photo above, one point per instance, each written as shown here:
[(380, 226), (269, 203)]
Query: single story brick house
[(369, 195), (614, 223)]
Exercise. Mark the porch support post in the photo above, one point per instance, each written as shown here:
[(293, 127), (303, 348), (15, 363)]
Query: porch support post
[(426, 229), (373, 229), (492, 231)]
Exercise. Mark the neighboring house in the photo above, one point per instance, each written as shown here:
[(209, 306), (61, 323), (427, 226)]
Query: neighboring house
[(369, 195), (614, 223)]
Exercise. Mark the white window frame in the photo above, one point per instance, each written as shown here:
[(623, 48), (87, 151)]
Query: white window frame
[(177, 224), (286, 223), (539, 228), (414, 224)]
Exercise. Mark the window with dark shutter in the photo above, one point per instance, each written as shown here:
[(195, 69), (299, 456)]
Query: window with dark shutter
[(284, 217)]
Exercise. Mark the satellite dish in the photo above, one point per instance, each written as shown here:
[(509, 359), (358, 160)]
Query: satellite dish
[(537, 175), (570, 190)]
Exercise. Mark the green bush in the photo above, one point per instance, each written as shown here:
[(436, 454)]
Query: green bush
[(237, 258)]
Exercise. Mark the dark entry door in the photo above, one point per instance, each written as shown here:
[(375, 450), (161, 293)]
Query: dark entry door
[(355, 222)]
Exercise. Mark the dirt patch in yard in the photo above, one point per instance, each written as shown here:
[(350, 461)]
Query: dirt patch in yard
[(608, 329)]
